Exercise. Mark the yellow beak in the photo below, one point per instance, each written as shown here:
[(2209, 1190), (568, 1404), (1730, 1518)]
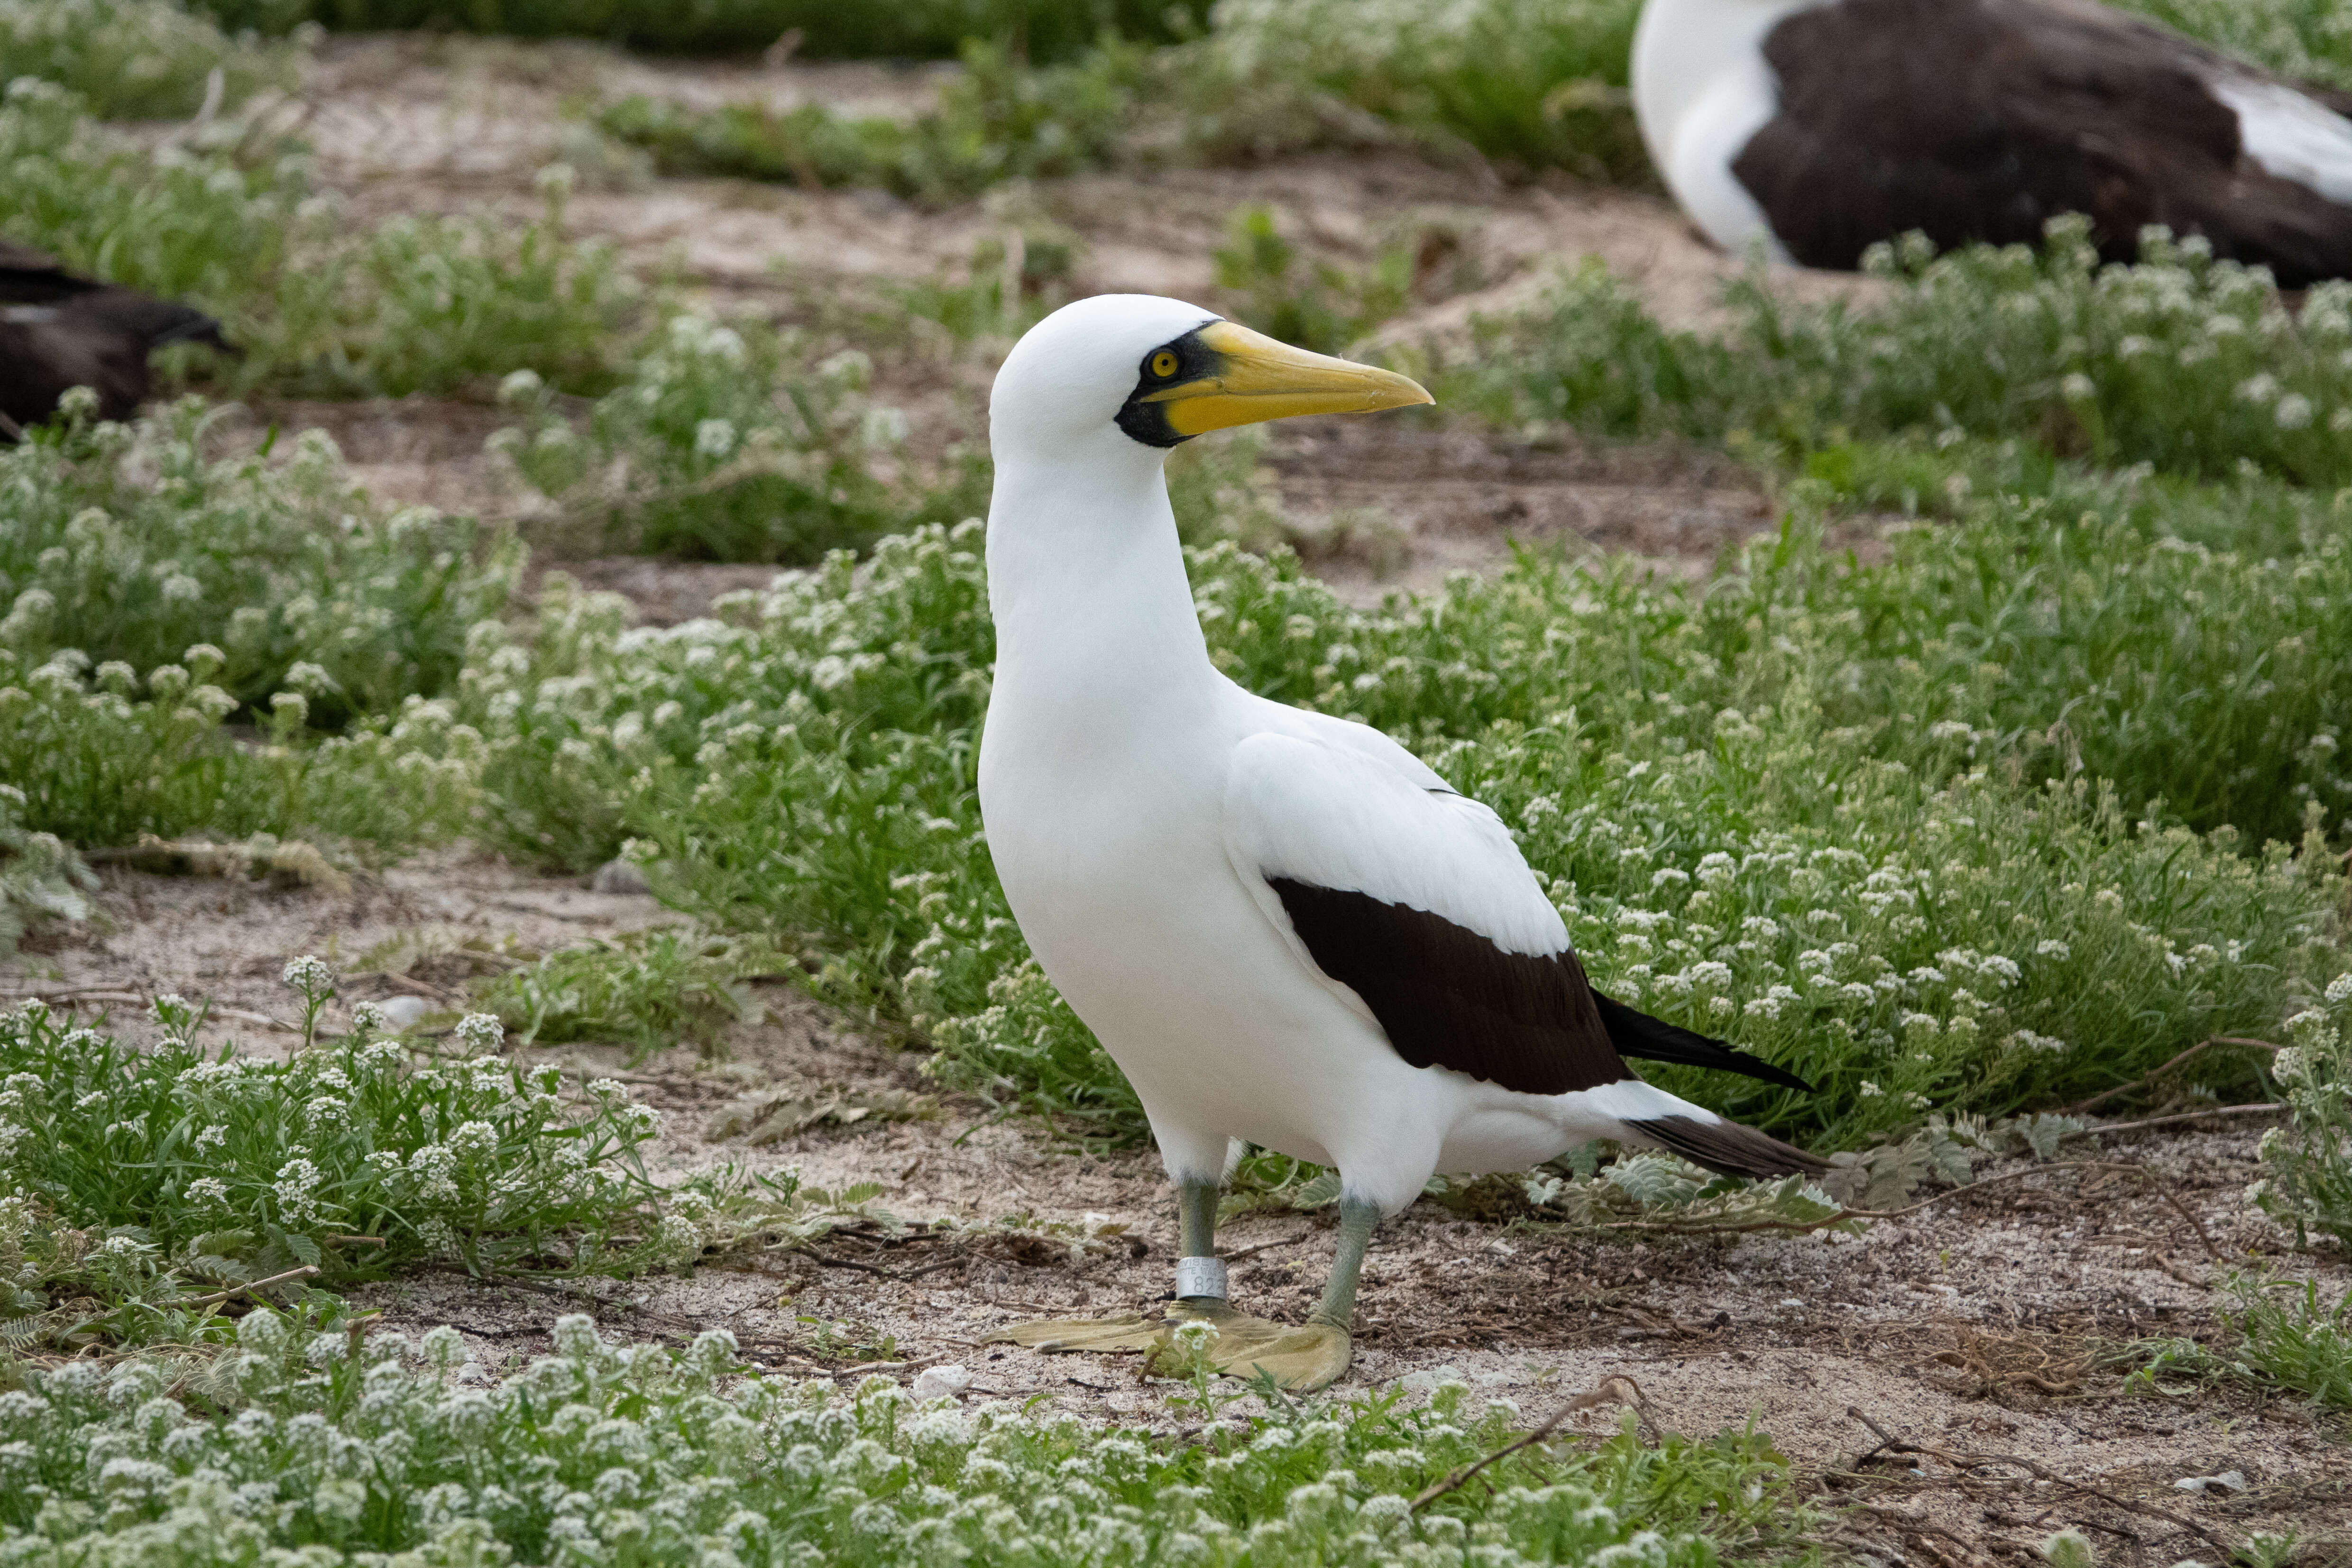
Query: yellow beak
[(1258, 378)]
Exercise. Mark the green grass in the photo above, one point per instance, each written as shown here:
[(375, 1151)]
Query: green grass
[(725, 443), (134, 59), (999, 119), (2289, 1339), (40, 877), (2310, 39), (1315, 305), (105, 756), (1903, 922), (2192, 366), (132, 546), (317, 306), (344, 1444), (1531, 84), (182, 1163), (2308, 1162), (2051, 625), (649, 990), (156, 592), (2294, 1339)]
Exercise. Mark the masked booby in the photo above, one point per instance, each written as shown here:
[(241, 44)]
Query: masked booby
[(1817, 128), (1283, 926), (58, 331)]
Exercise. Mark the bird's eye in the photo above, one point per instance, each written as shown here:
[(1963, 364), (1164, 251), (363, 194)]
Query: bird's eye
[(1163, 364)]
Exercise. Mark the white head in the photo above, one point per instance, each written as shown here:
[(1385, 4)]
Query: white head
[(1133, 373)]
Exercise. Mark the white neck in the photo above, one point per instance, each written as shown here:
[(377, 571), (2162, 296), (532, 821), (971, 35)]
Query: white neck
[(1683, 47), (1095, 624)]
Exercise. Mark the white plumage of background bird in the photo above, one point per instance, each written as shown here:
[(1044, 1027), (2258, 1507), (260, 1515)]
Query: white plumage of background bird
[(1283, 926)]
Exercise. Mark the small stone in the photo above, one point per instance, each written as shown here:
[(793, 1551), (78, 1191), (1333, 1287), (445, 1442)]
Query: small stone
[(2228, 1480), (402, 1014), (945, 1382), (621, 877)]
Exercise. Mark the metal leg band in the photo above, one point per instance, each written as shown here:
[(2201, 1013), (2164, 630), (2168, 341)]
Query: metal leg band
[(1199, 1279)]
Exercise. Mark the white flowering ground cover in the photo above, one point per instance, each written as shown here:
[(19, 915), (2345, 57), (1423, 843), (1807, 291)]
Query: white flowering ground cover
[(132, 1173), (1983, 809), (331, 1448)]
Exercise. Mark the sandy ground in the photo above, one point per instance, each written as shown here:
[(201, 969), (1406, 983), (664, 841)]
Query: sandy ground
[(1992, 1323), (1984, 1325)]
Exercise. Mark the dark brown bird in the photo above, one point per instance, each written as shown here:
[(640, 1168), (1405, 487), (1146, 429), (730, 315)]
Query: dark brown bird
[(58, 331), (1818, 128)]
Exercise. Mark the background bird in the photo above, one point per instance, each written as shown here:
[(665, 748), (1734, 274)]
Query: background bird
[(1818, 128), (1285, 927), (58, 331)]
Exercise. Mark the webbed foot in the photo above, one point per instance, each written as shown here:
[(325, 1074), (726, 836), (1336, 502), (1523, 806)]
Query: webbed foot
[(1301, 1360)]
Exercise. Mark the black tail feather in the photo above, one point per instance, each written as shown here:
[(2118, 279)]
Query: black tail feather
[(1728, 1148), (1654, 1040)]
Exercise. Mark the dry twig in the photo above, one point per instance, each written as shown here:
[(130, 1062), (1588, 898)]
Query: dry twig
[(1265, 1246), (2104, 1096), (217, 1297), (2264, 1109), (2172, 1196), (1607, 1393)]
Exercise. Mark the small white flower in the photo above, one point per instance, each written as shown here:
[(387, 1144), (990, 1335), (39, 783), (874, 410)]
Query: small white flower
[(208, 1191), (480, 1032), (2051, 948), (2340, 988), (473, 1138), (1870, 1091), (309, 975), (2293, 411), (714, 438), (312, 680)]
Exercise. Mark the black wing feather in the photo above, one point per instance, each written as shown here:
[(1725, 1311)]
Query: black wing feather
[(1447, 997), (1982, 119)]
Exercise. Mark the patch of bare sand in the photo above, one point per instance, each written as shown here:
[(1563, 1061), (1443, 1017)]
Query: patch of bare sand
[(1442, 500), (228, 939)]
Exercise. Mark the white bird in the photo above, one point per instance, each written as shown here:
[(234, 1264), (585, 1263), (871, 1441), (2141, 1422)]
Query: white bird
[(1817, 128), (1283, 926)]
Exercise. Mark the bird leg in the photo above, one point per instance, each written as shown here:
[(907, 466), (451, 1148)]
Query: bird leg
[(1358, 1219), (1303, 1359), (1200, 1273)]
